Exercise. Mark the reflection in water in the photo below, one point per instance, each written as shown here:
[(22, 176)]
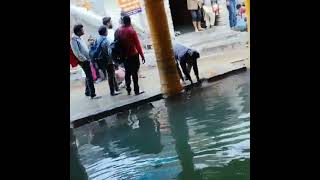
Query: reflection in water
[(115, 140), (179, 129), (201, 134), (77, 171)]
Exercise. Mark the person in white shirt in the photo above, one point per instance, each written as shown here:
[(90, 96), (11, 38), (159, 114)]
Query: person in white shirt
[(106, 21), (80, 50), (209, 15)]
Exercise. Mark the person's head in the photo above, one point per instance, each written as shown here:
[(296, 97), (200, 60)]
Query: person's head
[(103, 31), (107, 22), (238, 6), (91, 40), (193, 57), (78, 30), (126, 20)]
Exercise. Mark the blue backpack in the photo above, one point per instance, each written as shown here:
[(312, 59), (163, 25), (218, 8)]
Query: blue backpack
[(95, 50)]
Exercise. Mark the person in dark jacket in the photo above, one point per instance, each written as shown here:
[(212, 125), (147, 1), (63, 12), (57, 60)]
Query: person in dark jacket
[(187, 58)]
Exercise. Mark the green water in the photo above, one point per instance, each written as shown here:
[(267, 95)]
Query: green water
[(202, 134)]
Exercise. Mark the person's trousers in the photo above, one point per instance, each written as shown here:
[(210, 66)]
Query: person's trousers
[(232, 13), (113, 85), (196, 15), (131, 66), (193, 64), (209, 16), (186, 66), (102, 65), (90, 90), (96, 67)]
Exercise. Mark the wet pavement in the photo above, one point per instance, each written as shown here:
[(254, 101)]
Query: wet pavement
[(83, 108)]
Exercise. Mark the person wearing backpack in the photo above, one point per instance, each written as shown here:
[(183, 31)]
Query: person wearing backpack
[(105, 57), (80, 50), (94, 63), (101, 63)]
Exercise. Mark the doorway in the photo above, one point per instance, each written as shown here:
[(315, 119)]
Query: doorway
[(181, 16)]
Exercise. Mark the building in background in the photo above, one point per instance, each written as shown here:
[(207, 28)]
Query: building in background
[(90, 13)]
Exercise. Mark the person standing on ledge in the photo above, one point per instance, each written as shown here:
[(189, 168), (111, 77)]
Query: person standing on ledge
[(194, 7), (209, 15), (131, 50), (105, 57), (81, 51)]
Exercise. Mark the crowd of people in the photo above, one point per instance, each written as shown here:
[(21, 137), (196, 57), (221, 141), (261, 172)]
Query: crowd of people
[(115, 56), (237, 15), (99, 56), (209, 9)]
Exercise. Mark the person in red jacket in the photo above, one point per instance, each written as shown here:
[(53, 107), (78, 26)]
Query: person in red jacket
[(131, 50)]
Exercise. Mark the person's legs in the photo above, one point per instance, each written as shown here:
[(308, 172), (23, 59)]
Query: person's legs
[(87, 91), (185, 70), (194, 19), (135, 68), (127, 76), (102, 66), (195, 68), (233, 13), (95, 65), (212, 18), (199, 17), (206, 10), (230, 16), (89, 79), (111, 79), (116, 84)]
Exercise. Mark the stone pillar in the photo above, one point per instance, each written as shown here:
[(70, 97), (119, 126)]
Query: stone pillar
[(248, 13), (161, 41)]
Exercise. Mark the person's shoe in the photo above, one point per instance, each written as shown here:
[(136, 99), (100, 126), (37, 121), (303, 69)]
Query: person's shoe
[(95, 97), (98, 80), (115, 93), (141, 92), (198, 80), (87, 94), (129, 93)]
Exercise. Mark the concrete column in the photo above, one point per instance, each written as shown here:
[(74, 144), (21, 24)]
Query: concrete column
[(161, 41), (248, 13)]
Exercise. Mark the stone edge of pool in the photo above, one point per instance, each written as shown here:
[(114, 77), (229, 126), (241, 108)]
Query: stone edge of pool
[(97, 116)]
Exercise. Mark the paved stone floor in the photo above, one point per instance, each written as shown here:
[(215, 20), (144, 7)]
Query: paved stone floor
[(209, 66)]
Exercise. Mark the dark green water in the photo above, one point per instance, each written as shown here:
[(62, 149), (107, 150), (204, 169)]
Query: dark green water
[(202, 134)]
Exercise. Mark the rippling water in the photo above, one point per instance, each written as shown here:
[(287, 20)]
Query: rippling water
[(202, 134)]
